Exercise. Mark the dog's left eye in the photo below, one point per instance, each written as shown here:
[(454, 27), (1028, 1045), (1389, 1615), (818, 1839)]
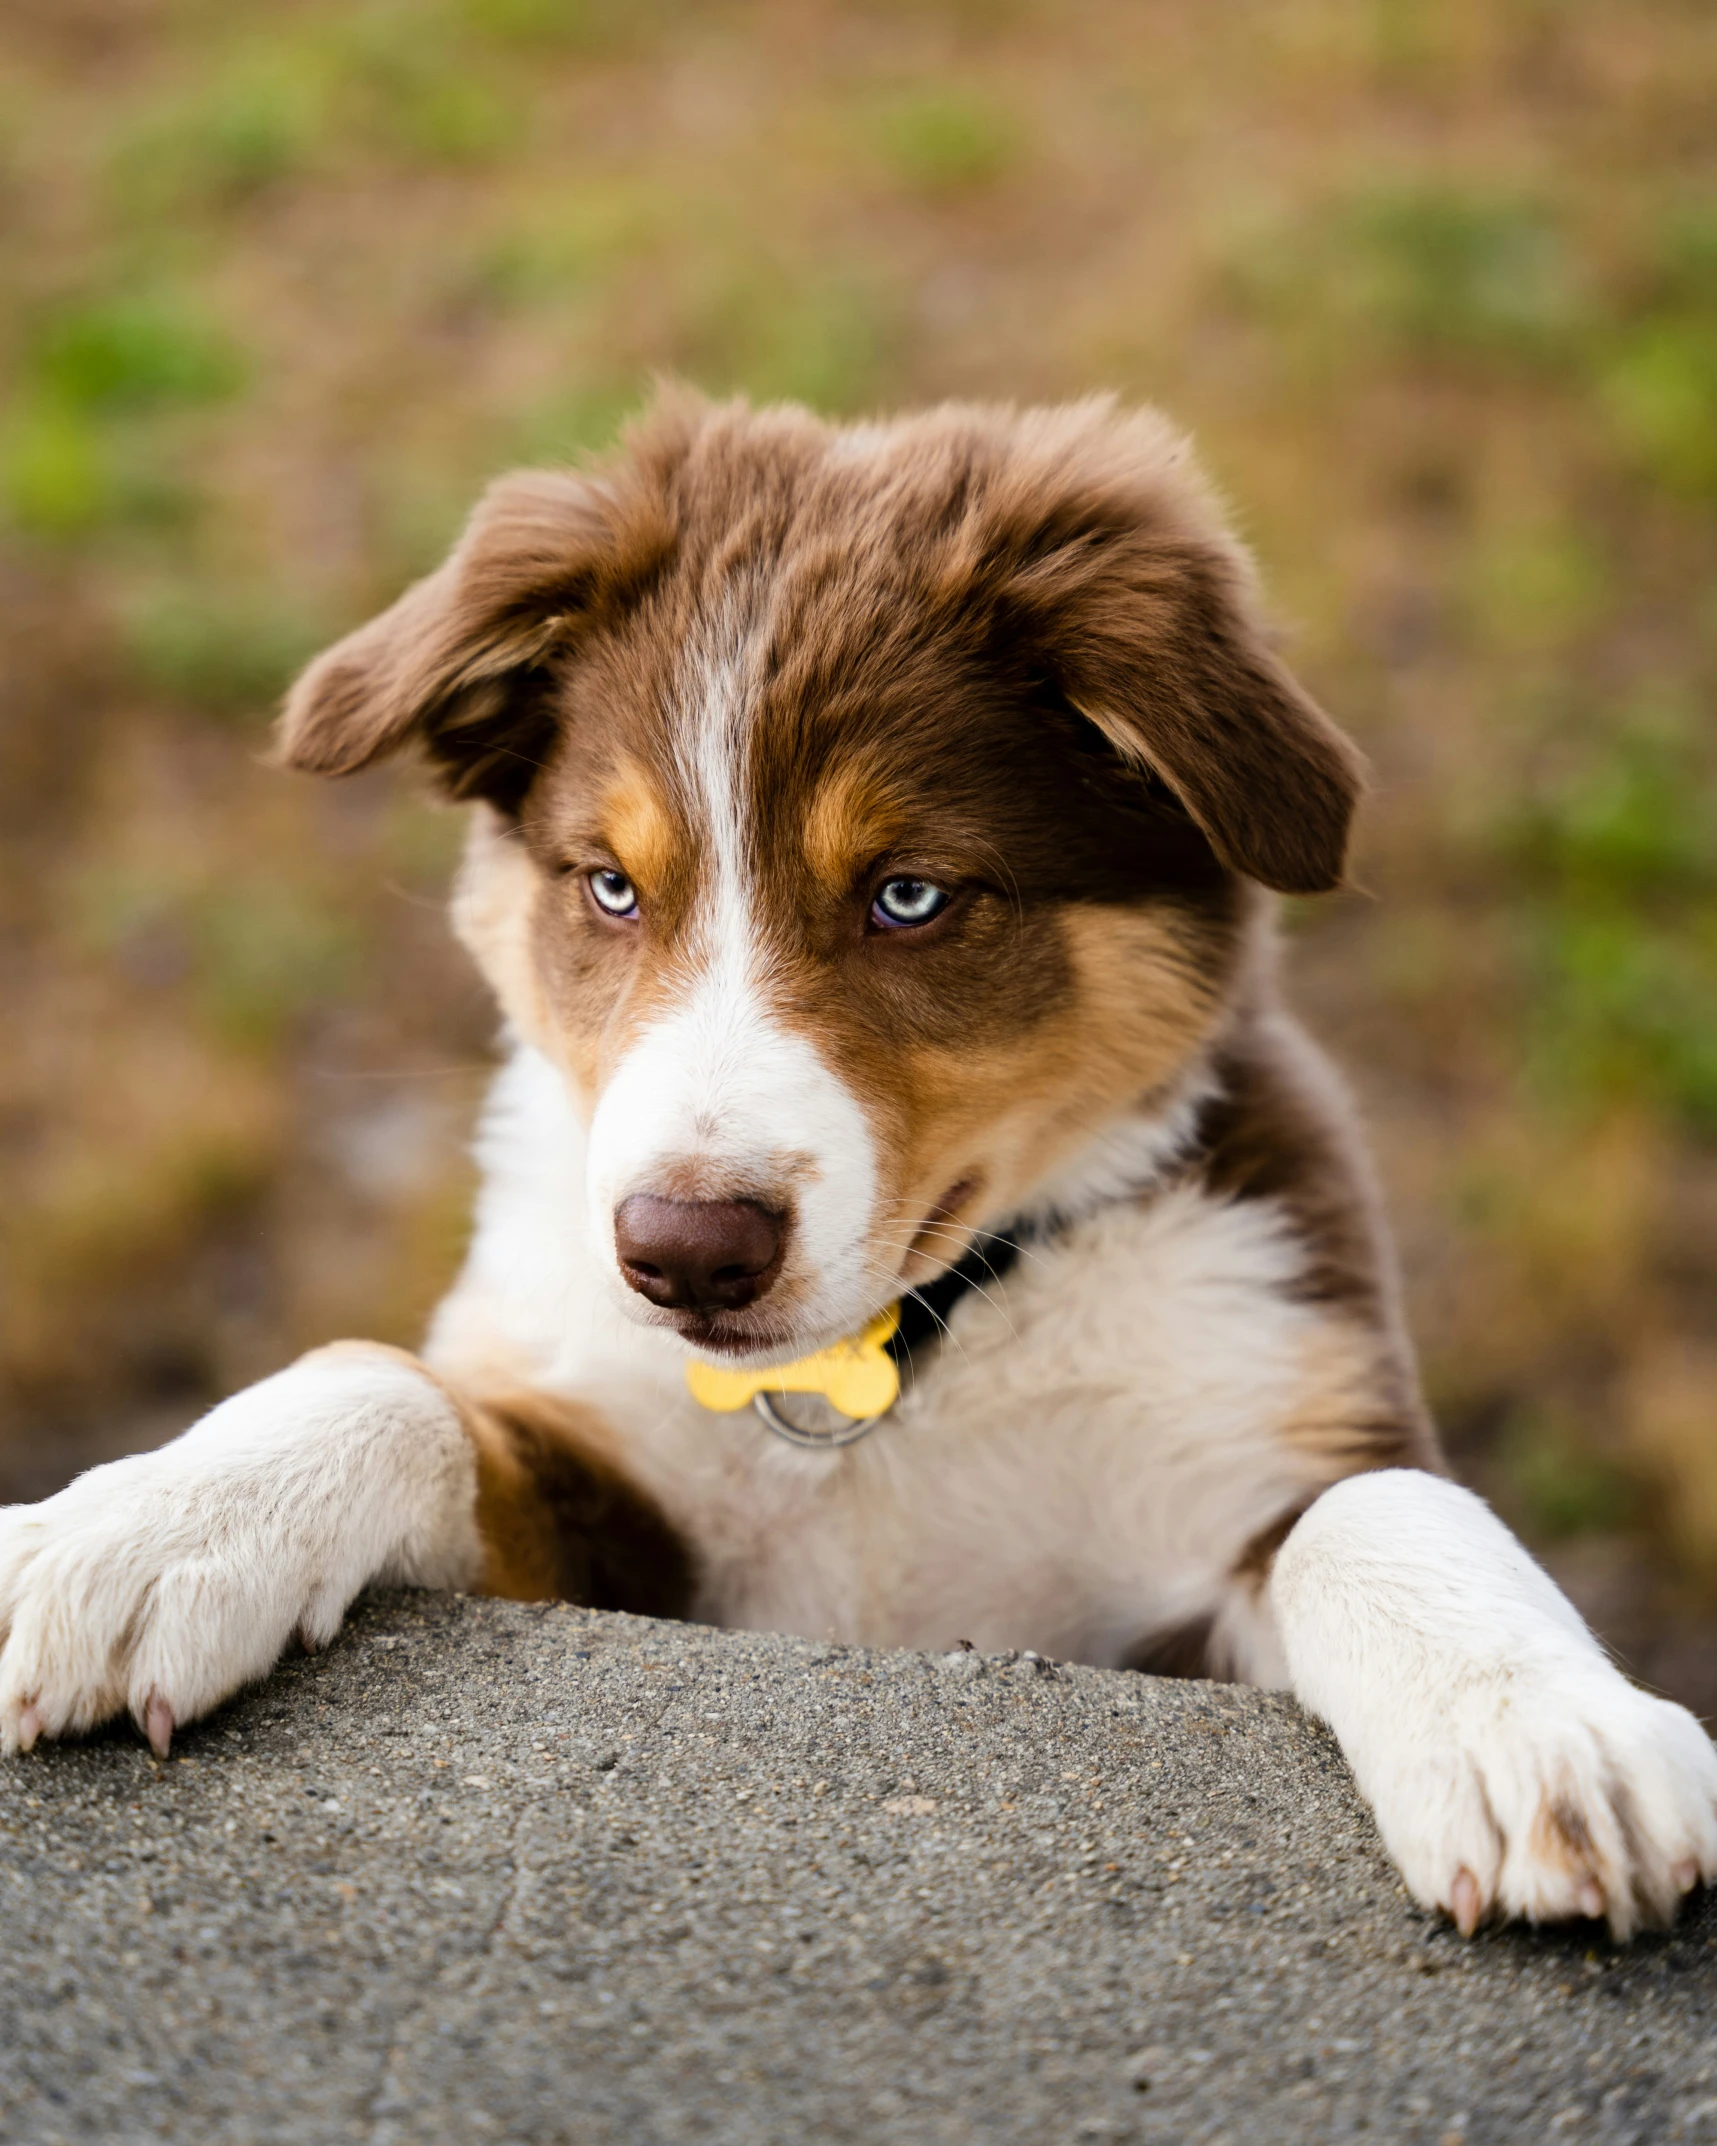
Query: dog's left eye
[(901, 903), (614, 894)]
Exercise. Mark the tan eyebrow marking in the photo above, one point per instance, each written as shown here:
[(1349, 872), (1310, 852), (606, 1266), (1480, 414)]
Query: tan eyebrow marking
[(853, 817), (640, 826)]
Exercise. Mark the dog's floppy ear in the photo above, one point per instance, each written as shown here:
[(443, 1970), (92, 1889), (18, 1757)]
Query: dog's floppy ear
[(1130, 589), (458, 662)]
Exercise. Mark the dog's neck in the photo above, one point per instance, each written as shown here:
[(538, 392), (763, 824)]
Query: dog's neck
[(1122, 1160), (534, 1295)]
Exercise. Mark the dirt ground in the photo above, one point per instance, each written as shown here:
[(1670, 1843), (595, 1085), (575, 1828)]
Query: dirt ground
[(1435, 285)]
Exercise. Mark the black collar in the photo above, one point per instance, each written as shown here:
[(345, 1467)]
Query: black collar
[(924, 1312), (922, 1325)]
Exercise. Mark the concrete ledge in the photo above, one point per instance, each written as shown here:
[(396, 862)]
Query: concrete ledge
[(484, 1872)]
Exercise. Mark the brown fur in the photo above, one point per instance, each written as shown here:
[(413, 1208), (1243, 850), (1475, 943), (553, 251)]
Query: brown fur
[(647, 844), (1254, 1562), (560, 1522), (1281, 1129), (1014, 652)]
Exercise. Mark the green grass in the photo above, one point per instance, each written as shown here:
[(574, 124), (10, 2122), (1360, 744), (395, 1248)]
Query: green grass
[(1657, 377), (120, 354), (945, 141), (1657, 391), (76, 440), (1616, 866), (576, 241), (593, 26), (1532, 588), (1422, 269), (573, 423), (229, 651), (252, 951), (266, 952), (1558, 1485), (1443, 269), (784, 329), (249, 127), (55, 479)]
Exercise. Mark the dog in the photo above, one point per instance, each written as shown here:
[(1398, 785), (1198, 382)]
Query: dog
[(874, 838)]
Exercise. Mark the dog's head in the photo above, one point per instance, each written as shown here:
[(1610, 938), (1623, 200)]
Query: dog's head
[(867, 818)]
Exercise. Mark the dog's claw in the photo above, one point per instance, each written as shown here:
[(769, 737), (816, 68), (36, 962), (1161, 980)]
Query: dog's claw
[(29, 1726), (1465, 1903), (1685, 1874), (1592, 1899), (158, 1724)]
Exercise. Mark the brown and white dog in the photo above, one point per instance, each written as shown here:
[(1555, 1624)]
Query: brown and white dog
[(870, 850)]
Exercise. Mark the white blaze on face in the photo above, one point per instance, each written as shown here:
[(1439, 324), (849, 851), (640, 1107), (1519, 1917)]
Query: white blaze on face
[(719, 1093)]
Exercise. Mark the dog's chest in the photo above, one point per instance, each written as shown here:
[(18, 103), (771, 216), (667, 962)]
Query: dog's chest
[(1080, 1463)]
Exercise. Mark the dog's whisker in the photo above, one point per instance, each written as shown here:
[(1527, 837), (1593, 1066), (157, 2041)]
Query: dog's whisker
[(949, 1337), (511, 752), (426, 902), (1022, 1251), (997, 1304), (977, 1288)]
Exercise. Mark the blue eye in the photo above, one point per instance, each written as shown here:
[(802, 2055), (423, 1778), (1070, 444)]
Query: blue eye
[(614, 894), (901, 903)]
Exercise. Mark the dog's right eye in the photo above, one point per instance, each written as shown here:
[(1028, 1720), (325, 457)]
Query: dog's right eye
[(614, 894)]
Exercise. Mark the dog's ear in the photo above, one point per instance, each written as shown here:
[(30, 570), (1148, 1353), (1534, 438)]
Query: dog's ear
[(460, 662), (1116, 565)]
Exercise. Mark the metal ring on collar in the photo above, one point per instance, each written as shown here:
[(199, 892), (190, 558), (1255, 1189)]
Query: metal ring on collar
[(812, 1441)]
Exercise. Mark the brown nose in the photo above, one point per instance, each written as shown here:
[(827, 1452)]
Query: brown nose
[(697, 1255)]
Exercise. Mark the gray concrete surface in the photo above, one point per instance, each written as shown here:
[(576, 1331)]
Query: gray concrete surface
[(492, 1873)]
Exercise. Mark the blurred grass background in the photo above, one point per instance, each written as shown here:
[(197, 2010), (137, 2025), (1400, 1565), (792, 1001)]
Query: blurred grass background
[(1435, 282)]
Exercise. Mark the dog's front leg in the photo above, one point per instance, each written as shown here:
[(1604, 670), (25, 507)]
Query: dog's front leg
[(1513, 1769), (165, 1581)]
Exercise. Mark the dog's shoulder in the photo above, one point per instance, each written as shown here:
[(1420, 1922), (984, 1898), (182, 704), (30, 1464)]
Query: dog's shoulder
[(1279, 1128), (1279, 1137), (1280, 1133)]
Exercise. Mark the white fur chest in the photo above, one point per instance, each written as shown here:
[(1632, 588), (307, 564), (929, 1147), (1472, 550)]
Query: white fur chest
[(1080, 1462)]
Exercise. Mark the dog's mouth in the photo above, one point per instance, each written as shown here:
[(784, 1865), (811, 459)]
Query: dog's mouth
[(749, 1336), (726, 1334)]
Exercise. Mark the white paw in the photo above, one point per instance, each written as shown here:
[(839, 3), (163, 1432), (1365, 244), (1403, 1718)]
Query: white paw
[(136, 1588), (162, 1583), (1513, 1769), (1550, 1796)]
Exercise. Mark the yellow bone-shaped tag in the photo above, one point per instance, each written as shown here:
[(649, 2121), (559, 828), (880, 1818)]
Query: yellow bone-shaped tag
[(857, 1376)]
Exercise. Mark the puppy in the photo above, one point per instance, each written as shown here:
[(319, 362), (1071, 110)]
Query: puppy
[(872, 844)]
